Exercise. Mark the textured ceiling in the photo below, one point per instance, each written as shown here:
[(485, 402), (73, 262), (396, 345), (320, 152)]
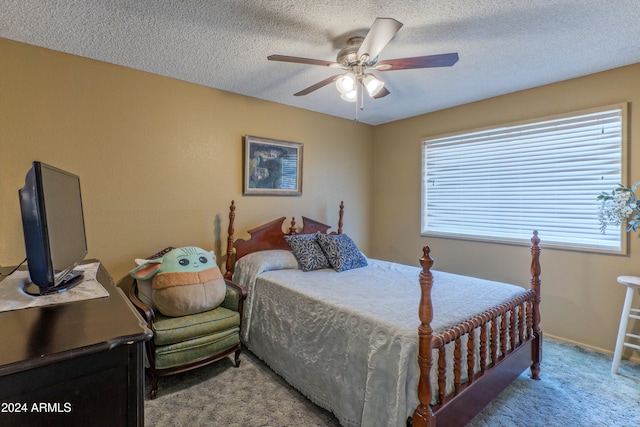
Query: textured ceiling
[(504, 45)]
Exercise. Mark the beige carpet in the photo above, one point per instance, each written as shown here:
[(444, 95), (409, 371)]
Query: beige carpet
[(576, 389)]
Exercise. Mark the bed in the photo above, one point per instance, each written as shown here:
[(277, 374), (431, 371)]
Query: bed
[(352, 343)]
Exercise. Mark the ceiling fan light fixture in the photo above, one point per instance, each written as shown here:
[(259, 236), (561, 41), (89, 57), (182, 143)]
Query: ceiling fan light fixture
[(373, 85), (346, 83)]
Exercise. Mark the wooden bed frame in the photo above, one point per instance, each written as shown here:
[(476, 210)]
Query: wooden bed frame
[(512, 329)]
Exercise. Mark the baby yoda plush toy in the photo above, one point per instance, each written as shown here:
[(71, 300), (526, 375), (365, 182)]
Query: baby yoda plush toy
[(184, 281)]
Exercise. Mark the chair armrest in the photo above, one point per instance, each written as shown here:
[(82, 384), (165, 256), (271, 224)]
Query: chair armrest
[(143, 308), (235, 296)]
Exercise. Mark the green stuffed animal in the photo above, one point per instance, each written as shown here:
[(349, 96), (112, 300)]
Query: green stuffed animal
[(184, 281)]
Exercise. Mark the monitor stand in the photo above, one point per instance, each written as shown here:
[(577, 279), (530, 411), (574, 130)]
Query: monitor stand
[(71, 280)]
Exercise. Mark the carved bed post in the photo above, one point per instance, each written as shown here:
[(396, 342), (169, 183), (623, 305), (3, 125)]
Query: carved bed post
[(423, 415), (536, 349), (229, 265), (341, 214)]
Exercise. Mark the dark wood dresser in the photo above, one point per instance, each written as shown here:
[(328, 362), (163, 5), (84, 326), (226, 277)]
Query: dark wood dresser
[(73, 364)]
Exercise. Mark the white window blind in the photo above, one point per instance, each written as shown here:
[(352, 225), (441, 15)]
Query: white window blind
[(502, 183)]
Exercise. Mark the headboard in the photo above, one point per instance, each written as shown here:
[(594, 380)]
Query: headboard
[(269, 236)]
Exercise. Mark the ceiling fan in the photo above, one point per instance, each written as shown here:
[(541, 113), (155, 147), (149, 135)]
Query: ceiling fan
[(360, 56)]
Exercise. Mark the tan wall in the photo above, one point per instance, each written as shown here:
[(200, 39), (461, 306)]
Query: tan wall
[(581, 299), (160, 159)]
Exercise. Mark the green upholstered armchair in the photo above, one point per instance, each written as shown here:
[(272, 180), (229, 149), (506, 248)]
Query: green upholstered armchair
[(183, 343)]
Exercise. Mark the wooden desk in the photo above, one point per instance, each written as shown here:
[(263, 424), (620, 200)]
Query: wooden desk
[(79, 363)]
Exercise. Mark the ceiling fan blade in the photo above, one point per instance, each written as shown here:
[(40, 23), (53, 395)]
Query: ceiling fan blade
[(298, 60), (317, 86), (380, 33), (383, 92), (442, 60)]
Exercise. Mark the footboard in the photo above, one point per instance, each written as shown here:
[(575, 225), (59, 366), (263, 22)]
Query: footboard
[(483, 355)]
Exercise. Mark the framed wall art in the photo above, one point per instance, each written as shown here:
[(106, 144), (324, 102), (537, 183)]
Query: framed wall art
[(272, 167)]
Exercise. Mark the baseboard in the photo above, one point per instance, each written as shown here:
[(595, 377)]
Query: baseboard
[(633, 358)]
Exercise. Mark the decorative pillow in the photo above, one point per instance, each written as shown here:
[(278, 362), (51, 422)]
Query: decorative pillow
[(341, 252), (307, 251), (184, 281)]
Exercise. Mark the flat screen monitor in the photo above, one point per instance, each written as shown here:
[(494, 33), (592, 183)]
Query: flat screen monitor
[(53, 226)]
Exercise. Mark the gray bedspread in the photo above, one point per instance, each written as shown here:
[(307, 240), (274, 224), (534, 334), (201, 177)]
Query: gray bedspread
[(348, 340)]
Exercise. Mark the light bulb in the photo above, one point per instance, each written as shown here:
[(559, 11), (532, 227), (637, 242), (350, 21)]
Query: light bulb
[(350, 96), (346, 83), (373, 85)]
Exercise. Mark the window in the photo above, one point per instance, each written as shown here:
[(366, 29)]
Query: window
[(502, 183)]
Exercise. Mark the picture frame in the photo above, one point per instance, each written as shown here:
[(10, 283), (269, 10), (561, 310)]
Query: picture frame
[(272, 167)]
